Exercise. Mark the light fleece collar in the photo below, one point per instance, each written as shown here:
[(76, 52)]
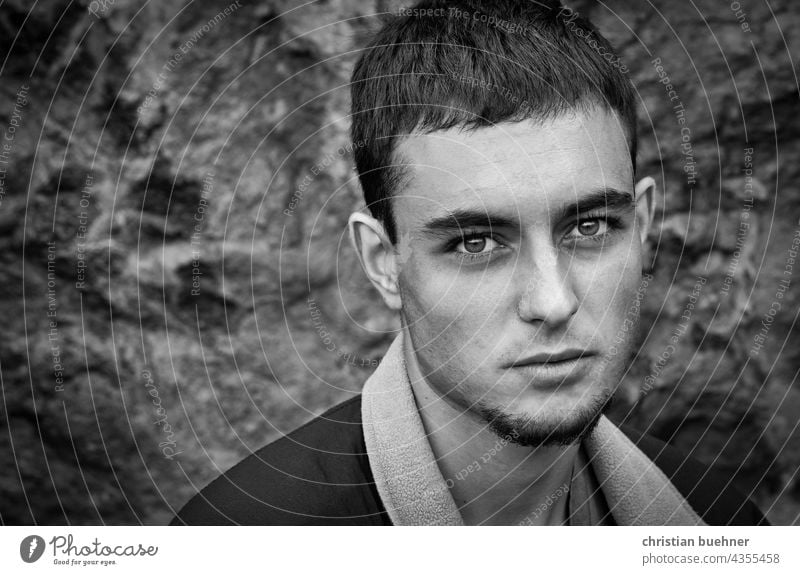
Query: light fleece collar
[(414, 492)]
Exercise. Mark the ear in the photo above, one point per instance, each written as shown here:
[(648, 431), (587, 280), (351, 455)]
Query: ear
[(377, 256), (645, 192)]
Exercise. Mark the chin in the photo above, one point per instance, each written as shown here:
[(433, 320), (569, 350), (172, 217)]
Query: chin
[(537, 430)]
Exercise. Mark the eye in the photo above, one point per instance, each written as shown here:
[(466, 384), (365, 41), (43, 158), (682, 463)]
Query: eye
[(477, 245), (590, 228)]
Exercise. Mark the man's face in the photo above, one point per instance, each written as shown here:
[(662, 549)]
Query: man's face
[(521, 257)]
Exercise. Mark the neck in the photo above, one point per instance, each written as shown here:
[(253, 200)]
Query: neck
[(492, 480)]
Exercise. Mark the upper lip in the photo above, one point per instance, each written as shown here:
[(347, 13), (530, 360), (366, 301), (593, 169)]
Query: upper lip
[(551, 357)]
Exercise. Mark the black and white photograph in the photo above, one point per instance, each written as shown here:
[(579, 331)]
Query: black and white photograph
[(447, 263)]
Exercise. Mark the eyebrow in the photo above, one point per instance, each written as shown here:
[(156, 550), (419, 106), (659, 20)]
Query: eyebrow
[(460, 219), (607, 198)]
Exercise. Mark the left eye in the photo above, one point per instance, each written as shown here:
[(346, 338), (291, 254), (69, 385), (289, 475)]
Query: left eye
[(477, 245), (589, 228)]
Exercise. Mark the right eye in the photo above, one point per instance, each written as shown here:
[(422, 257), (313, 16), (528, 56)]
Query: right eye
[(477, 245)]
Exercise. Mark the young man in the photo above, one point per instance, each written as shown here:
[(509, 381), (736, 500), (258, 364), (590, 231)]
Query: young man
[(506, 228)]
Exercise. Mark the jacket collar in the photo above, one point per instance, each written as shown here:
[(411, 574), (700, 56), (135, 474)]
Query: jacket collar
[(414, 492)]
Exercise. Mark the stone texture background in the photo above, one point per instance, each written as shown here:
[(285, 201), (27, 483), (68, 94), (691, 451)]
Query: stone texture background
[(189, 193)]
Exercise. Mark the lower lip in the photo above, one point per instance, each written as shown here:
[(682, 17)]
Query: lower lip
[(554, 374)]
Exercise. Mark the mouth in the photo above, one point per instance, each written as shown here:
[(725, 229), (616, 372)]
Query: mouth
[(554, 369), (554, 359)]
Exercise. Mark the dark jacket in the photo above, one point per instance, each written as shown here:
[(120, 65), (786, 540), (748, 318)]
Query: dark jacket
[(320, 475)]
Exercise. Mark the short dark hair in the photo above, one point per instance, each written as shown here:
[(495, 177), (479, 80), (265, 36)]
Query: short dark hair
[(471, 64)]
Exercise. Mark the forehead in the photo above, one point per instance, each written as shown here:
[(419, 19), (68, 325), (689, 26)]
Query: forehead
[(526, 167)]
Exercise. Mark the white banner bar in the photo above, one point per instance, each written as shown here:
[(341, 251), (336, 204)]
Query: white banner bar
[(415, 551)]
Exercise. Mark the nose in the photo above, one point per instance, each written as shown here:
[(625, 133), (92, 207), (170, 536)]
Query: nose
[(547, 295)]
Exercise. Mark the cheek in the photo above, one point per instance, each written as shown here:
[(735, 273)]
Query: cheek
[(452, 309), (607, 287)]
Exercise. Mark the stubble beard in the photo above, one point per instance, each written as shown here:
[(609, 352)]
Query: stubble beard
[(532, 431)]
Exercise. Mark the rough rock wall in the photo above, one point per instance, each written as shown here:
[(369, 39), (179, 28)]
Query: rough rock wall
[(177, 285)]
